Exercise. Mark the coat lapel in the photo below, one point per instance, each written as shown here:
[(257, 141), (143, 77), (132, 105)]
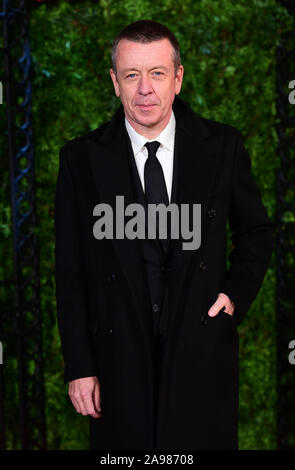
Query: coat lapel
[(109, 160), (108, 150)]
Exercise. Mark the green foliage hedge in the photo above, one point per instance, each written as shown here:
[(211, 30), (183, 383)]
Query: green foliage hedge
[(228, 53)]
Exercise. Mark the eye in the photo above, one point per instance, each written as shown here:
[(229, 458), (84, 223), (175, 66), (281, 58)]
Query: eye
[(159, 73), (131, 75)]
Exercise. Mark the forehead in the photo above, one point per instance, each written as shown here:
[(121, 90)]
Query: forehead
[(137, 54)]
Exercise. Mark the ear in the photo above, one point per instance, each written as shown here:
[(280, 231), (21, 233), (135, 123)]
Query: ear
[(115, 82), (178, 79)]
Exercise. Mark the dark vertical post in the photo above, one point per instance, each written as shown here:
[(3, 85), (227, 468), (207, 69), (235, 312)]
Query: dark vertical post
[(26, 311), (285, 237), (2, 421)]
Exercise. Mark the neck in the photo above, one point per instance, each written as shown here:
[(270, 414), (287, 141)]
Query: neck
[(150, 132)]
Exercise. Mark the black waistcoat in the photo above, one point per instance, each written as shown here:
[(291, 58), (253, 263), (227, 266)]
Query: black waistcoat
[(157, 254)]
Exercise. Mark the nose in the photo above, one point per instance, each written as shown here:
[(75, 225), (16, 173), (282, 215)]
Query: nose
[(145, 86)]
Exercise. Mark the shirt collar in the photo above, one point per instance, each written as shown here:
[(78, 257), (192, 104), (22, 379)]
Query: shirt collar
[(166, 137)]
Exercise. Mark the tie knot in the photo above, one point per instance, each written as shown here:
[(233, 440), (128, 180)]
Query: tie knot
[(152, 147)]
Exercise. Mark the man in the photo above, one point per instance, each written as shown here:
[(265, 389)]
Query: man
[(148, 329)]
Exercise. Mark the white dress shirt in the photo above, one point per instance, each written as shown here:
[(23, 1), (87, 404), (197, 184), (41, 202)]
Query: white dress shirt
[(165, 152)]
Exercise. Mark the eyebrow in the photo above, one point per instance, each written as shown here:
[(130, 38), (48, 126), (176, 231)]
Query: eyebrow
[(152, 68)]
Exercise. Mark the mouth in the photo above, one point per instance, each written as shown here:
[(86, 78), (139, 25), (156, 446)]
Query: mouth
[(145, 107)]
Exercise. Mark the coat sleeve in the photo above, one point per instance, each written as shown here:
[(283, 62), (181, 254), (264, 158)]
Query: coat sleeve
[(252, 236), (70, 279)]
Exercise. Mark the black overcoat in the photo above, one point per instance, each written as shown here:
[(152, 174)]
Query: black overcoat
[(103, 306)]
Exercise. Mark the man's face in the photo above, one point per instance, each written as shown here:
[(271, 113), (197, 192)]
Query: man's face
[(146, 82)]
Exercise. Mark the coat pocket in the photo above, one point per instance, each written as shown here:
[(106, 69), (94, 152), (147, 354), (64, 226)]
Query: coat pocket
[(228, 316)]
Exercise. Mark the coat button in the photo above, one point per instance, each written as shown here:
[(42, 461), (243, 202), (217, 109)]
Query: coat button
[(203, 266), (211, 213), (111, 277), (110, 331), (204, 319), (164, 268), (156, 308)]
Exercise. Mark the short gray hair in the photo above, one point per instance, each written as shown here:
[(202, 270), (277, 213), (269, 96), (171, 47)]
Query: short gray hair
[(146, 31)]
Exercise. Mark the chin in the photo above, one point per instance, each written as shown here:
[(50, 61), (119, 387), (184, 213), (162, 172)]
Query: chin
[(147, 120)]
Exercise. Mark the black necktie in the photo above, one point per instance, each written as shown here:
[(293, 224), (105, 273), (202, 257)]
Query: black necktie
[(154, 181)]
